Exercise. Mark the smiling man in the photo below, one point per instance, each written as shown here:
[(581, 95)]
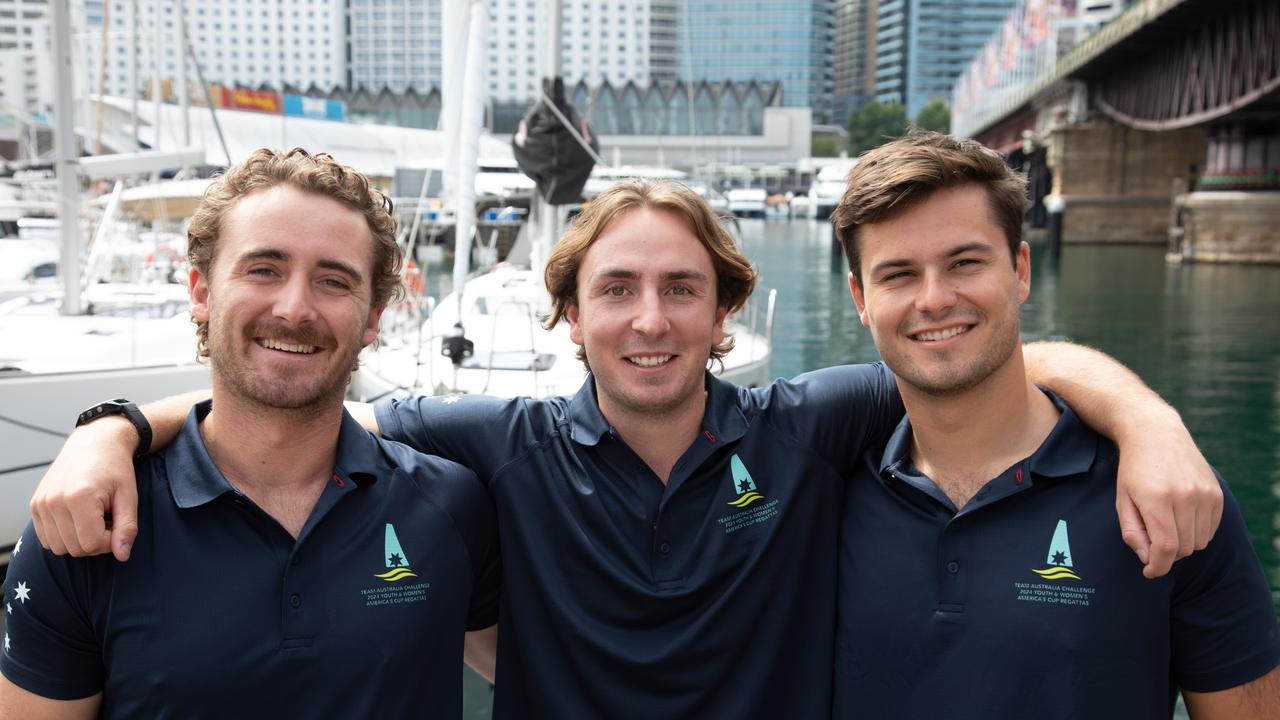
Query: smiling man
[(285, 547), (668, 539), (1006, 591)]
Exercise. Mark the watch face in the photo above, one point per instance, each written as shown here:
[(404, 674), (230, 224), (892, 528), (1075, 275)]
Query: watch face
[(110, 407)]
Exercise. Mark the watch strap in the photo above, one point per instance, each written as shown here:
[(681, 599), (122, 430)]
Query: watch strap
[(130, 411)]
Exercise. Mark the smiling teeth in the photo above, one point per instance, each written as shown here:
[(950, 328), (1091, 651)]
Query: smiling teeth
[(286, 347), (653, 361), (935, 335)]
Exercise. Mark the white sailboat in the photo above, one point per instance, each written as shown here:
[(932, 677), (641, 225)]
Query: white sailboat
[(487, 337), (94, 337)]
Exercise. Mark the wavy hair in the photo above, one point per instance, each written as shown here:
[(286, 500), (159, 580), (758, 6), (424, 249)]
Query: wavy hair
[(735, 277), (319, 174)]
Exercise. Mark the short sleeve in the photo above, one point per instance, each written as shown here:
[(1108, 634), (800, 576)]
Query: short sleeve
[(478, 431), (840, 412), (1223, 620), (50, 646)]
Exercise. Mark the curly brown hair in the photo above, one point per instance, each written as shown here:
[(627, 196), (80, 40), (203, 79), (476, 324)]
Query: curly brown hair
[(890, 179), (318, 173), (735, 276)]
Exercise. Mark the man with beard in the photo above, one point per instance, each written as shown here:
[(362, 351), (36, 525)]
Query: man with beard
[(292, 564), (669, 539), (981, 569)]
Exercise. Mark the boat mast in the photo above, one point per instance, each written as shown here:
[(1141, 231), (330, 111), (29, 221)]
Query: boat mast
[(133, 72), (180, 11), (471, 124), (545, 216), (65, 163)]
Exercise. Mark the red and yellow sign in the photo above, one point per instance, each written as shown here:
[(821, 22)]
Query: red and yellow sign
[(246, 99)]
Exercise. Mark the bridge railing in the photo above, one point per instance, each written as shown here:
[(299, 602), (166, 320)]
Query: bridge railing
[(1040, 43)]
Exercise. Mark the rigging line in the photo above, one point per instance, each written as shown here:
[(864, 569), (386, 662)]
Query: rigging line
[(20, 468), (29, 426), (573, 130)]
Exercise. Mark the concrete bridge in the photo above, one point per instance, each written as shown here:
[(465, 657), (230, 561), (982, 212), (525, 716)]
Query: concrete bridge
[(1163, 125)]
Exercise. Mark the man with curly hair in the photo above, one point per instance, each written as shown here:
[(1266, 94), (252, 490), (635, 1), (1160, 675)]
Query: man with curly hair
[(292, 563)]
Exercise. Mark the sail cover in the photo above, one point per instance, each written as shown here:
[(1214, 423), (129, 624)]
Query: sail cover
[(549, 154)]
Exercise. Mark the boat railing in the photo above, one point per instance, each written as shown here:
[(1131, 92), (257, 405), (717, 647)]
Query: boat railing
[(526, 309), (756, 318)]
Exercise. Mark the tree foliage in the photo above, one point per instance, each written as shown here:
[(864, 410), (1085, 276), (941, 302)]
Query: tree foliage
[(934, 116), (824, 147), (875, 123)]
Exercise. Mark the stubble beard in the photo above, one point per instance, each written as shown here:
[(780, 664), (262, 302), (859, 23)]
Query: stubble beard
[(633, 403), (945, 378), (295, 392)]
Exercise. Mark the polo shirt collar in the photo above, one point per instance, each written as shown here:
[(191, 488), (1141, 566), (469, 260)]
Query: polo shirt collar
[(589, 425), (1068, 450), (194, 480), (723, 417)]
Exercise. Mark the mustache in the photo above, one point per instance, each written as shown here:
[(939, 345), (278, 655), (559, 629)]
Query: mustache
[(293, 335)]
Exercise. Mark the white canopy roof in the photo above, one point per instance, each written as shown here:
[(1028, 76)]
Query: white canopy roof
[(375, 150)]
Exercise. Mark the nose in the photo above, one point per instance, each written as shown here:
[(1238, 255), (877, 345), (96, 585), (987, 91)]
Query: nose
[(295, 302), (937, 294), (651, 317)]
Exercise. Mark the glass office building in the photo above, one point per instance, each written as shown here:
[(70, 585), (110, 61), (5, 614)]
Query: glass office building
[(788, 42), (922, 46)]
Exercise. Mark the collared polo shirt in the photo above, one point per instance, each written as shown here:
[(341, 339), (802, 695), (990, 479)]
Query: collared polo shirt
[(1026, 602), (220, 613), (712, 596)]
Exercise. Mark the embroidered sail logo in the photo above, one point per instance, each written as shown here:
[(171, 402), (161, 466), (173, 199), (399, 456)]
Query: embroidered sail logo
[(742, 484), (1059, 561), (397, 563)]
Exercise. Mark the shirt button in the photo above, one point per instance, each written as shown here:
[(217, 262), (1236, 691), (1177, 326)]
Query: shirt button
[(295, 601), (953, 567), (664, 548)]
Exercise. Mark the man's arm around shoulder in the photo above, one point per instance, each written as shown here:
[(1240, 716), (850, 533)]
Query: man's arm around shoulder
[(93, 477)]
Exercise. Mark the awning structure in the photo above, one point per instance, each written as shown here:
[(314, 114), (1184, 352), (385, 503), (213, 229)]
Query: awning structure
[(375, 150)]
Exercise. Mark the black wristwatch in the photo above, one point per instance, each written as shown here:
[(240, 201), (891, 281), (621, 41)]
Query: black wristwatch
[(120, 406)]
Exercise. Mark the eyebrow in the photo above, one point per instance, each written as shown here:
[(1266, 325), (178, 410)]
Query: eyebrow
[(621, 274), (953, 252), (282, 256)]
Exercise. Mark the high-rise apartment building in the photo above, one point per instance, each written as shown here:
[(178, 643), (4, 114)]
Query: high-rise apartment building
[(237, 42), (394, 44), (23, 43), (599, 40), (664, 36), (790, 42), (854, 59), (922, 46)]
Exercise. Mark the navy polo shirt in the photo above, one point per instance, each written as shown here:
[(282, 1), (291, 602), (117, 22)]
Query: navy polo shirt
[(220, 613), (712, 596), (1026, 602)]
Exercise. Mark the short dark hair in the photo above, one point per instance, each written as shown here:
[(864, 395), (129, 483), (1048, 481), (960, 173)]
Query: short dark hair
[(889, 179)]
